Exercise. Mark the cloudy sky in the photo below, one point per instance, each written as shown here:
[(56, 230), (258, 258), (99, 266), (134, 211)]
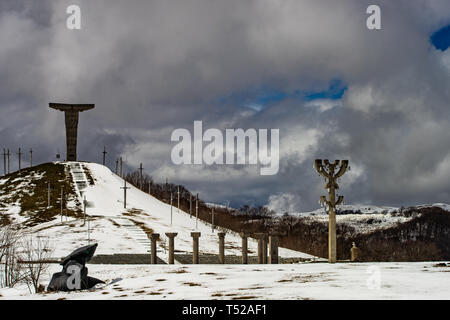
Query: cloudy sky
[(334, 89)]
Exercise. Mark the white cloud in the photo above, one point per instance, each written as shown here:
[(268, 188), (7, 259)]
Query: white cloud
[(285, 202)]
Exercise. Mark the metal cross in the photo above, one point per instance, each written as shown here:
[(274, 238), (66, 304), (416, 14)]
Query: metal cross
[(125, 193)]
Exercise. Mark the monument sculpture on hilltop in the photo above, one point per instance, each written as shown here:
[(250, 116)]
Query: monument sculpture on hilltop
[(71, 112)]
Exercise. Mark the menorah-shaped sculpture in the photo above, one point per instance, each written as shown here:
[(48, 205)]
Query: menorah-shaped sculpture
[(327, 170)]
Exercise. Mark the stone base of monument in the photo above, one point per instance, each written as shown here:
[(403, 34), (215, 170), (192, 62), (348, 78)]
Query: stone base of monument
[(74, 274)]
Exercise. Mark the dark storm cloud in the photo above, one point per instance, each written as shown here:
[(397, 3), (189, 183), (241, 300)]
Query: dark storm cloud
[(154, 66)]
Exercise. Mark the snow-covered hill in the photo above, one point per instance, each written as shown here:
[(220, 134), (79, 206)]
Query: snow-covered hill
[(366, 218), (120, 230)]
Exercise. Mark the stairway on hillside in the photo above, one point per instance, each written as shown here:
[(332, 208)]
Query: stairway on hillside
[(141, 237), (79, 178)]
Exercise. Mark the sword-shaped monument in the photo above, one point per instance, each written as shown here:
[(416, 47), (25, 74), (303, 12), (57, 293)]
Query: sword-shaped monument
[(71, 112)]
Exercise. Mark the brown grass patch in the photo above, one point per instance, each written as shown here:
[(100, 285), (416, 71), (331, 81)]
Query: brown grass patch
[(115, 224), (140, 291), (178, 271), (243, 298), (192, 284), (218, 294), (285, 280)]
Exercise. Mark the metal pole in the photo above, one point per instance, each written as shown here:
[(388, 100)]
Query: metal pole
[(125, 194), (117, 164), (62, 203), (178, 198), (104, 155), (89, 231), (171, 209), (212, 220), (196, 212), (31, 158), (141, 186), (48, 195), (190, 205), (20, 159), (120, 162), (4, 162), (84, 209), (8, 161)]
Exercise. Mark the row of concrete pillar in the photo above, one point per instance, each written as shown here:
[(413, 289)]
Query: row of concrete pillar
[(265, 243)]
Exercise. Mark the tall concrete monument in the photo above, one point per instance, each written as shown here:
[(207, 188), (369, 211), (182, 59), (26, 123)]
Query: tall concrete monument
[(331, 171), (71, 112)]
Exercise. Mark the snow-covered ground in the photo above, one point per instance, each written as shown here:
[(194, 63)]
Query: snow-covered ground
[(297, 281), (119, 230)]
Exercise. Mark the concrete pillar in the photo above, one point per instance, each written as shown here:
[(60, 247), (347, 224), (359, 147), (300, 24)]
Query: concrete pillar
[(332, 255), (171, 236), (154, 239), (195, 257), (244, 248), (260, 247), (273, 249), (221, 247), (264, 248)]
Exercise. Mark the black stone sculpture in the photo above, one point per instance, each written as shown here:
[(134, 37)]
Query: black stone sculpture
[(78, 258)]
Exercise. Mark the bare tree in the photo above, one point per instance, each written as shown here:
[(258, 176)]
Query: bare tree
[(9, 237), (35, 256)]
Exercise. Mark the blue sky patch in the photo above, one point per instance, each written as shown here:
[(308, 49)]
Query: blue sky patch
[(334, 92), (441, 38), (260, 98)]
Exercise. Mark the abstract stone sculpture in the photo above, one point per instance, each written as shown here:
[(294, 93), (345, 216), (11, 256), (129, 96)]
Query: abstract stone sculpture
[(71, 113), (75, 261), (331, 171)]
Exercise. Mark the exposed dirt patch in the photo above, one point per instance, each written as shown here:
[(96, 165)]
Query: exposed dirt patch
[(114, 223), (89, 176), (243, 297), (304, 279), (140, 291), (178, 271), (217, 294), (441, 265), (192, 284), (285, 280), (253, 288)]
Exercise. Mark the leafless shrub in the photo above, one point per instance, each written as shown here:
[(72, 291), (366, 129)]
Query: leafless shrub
[(10, 269), (35, 256)]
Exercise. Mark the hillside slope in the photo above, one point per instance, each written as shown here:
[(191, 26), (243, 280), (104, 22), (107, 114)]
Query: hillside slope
[(114, 228)]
